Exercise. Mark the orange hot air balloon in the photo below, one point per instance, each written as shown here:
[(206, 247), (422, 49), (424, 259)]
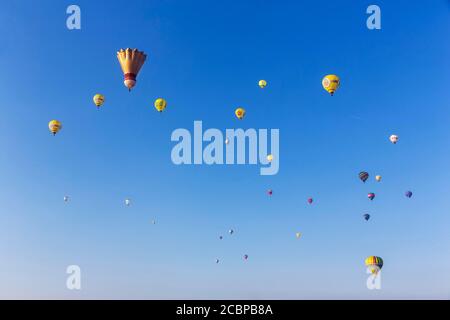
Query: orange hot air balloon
[(131, 61)]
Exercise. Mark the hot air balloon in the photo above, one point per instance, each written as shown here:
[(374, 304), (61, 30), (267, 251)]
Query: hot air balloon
[(374, 264), (160, 104), (269, 192), (371, 195), (378, 178), (245, 256), (408, 194), (363, 176), (310, 200), (393, 138), (131, 61), (217, 260), (99, 99), (298, 235), (220, 237), (240, 113), (231, 231), (262, 84), (127, 202), (54, 126), (270, 158), (331, 83), (227, 141), (66, 198), (153, 222), (366, 216)]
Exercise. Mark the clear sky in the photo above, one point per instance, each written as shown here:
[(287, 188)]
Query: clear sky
[(205, 58)]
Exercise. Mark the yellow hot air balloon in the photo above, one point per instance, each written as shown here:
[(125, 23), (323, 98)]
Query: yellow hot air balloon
[(54, 126), (262, 84), (131, 61), (240, 113), (99, 99), (378, 178), (374, 264), (160, 104), (331, 83), (270, 158)]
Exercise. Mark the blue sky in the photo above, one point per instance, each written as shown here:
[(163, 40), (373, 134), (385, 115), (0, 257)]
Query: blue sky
[(205, 58)]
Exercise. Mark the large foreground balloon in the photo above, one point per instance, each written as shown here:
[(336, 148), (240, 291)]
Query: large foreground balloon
[(262, 84), (374, 264), (160, 104), (371, 195), (54, 126), (99, 99), (240, 113), (131, 61), (366, 216), (393, 138), (331, 83), (363, 176), (408, 194)]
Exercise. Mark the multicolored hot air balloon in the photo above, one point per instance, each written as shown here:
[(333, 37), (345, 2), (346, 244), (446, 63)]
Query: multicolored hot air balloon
[(378, 178), (310, 200), (269, 192), (408, 194), (363, 176), (99, 99), (366, 216), (240, 113), (245, 256), (374, 264), (160, 104), (262, 84), (371, 195), (54, 126), (331, 83), (131, 61), (393, 138)]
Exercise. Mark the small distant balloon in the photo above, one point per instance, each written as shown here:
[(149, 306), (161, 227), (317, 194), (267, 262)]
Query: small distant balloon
[(393, 138), (99, 99), (153, 222), (371, 195), (331, 83), (363, 176), (127, 202), (366, 216), (231, 231), (374, 264), (220, 237), (262, 84), (408, 194), (227, 141), (160, 104), (245, 256), (298, 235), (310, 200), (217, 260), (269, 192), (240, 113), (378, 178), (54, 126), (66, 198), (270, 158)]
